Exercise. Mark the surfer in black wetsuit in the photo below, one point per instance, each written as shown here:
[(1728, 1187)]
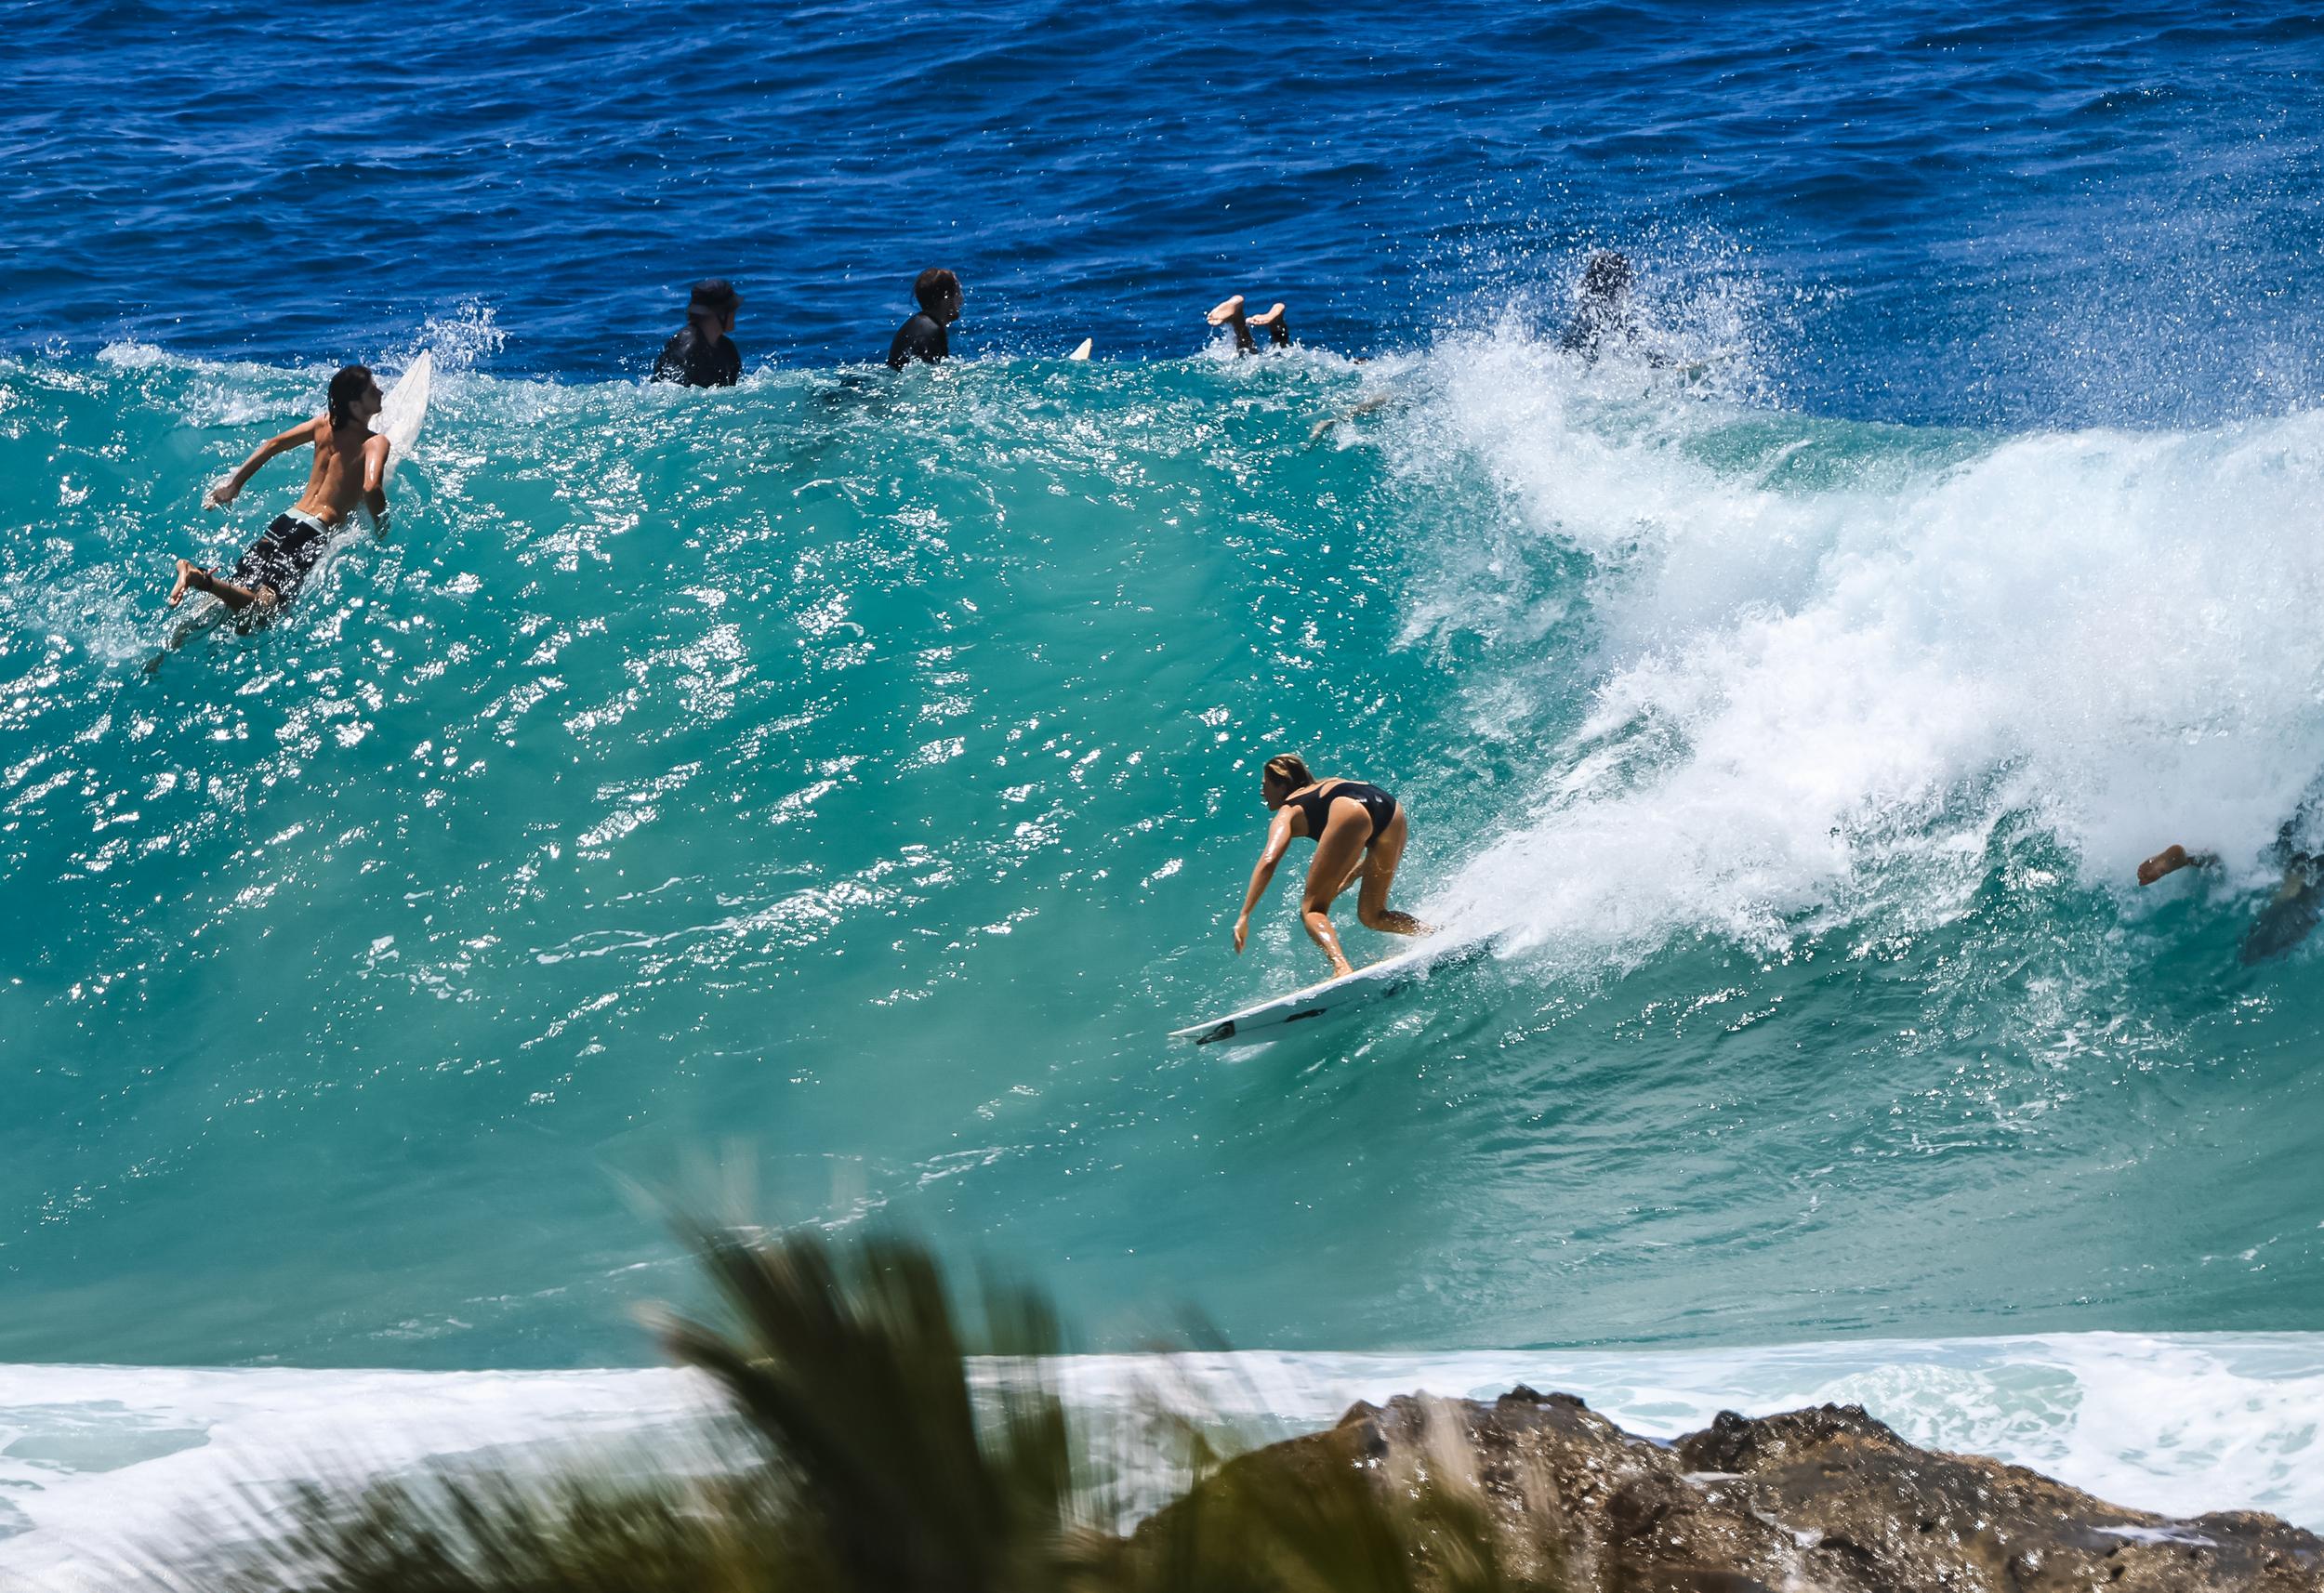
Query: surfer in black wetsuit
[(1604, 315), (703, 355), (2292, 914), (350, 466), (1358, 830), (923, 337), (1231, 316)]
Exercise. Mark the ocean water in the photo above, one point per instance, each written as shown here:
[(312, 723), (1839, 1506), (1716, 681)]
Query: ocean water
[(840, 785)]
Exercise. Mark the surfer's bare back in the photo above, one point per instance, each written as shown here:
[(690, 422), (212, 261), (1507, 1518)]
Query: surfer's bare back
[(351, 467)]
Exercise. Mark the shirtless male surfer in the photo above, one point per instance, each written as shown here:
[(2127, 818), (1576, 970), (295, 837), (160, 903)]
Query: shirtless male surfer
[(350, 466)]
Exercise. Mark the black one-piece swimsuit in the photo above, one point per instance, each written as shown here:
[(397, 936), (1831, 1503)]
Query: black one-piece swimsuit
[(1316, 804)]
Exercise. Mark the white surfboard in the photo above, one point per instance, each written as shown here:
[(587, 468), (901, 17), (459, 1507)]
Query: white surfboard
[(1378, 981), (1082, 352), (405, 407), (400, 411)]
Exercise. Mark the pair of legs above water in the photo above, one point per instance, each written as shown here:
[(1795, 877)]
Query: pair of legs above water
[(1230, 315), (1347, 852)]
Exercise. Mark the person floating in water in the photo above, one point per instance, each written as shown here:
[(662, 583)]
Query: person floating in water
[(2291, 915), (1358, 829), (1230, 315), (923, 337), (703, 354), (351, 466), (1604, 315)]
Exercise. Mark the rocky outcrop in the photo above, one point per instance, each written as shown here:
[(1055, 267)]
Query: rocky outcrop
[(1827, 1500)]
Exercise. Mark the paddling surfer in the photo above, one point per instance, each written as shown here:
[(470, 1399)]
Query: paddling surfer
[(351, 467), (2294, 908), (924, 336), (703, 353), (1358, 830), (1604, 315)]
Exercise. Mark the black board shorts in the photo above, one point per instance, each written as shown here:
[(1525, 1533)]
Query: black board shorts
[(283, 557)]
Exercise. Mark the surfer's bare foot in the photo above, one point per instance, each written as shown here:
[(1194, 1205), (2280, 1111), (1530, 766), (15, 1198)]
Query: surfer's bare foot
[(1230, 315), (1278, 333), (187, 571), (2169, 861)]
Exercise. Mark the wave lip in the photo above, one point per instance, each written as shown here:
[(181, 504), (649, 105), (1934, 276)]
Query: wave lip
[(99, 1457)]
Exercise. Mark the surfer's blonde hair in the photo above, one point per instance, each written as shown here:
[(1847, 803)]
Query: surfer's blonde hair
[(1290, 770)]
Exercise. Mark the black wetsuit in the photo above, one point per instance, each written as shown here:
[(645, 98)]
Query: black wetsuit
[(1597, 322), (922, 338), (283, 557), (1378, 805), (699, 362)]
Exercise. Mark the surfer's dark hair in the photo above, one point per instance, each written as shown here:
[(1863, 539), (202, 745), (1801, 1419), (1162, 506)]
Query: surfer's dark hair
[(715, 294), (1606, 274), (932, 283), (346, 387), (1289, 769)]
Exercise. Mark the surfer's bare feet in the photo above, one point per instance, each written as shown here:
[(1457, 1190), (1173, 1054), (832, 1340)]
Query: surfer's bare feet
[(1230, 315), (1278, 333), (2169, 861), (187, 571)]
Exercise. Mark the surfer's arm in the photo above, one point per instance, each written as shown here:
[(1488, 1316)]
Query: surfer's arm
[(1278, 842), (227, 489), (2170, 860), (375, 482)]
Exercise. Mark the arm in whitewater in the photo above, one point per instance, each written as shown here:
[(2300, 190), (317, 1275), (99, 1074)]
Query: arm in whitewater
[(1278, 842), (2170, 860), (1370, 404), (299, 436)]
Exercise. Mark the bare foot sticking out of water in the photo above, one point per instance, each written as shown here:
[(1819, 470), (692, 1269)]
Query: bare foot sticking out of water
[(1230, 314)]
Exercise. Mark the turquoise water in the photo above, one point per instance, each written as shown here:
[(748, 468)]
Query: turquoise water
[(848, 781)]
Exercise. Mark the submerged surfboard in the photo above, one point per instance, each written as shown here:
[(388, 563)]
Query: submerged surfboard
[(400, 411), (1378, 981), (1082, 352)]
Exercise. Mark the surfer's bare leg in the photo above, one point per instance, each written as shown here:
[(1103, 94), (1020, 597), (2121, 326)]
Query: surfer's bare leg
[(1230, 315), (192, 578), (1380, 871), (2169, 861), (1339, 854), (1278, 334)]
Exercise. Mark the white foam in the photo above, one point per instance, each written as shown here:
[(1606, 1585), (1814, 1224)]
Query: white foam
[(1826, 660), (94, 1459)]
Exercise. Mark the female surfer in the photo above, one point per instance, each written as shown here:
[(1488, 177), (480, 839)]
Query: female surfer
[(1356, 828)]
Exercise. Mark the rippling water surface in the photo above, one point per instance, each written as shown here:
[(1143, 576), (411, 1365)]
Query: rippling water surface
[(849, 779)]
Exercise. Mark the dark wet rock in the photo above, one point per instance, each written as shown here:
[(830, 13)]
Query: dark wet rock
[(1826, 1499)]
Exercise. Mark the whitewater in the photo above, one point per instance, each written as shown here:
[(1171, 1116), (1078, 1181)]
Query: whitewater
[(848, 781)]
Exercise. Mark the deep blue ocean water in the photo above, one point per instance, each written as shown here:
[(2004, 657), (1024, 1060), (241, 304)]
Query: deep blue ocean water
[(2055, 215), (847, 781)]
